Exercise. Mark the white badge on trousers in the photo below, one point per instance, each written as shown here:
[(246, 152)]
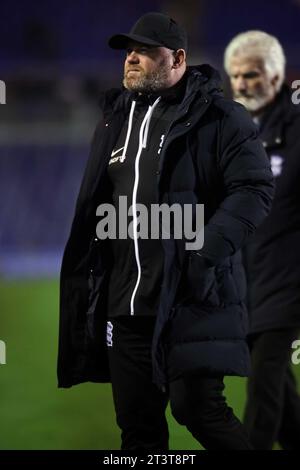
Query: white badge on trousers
[(109, 334), (276, 164)]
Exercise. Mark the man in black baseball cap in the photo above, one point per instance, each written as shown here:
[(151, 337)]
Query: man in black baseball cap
[(153, 29), (174, 320), (156, 54)]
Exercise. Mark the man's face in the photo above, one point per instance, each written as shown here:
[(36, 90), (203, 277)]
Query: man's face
[(147, 69), (250, 83)]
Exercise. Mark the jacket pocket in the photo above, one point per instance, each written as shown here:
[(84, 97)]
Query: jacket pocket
[(95, 279), (226, 286), (201, 281)]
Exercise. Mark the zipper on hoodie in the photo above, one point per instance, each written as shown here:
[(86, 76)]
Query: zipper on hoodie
[(143, 137)]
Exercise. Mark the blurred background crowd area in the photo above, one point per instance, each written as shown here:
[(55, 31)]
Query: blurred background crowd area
[(55, 61)]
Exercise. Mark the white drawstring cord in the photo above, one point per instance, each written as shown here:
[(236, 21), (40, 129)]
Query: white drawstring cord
[(146, 125), (123, 156), (149, 112)]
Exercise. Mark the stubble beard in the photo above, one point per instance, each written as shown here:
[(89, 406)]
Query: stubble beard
[(150, 82), (257, 102)]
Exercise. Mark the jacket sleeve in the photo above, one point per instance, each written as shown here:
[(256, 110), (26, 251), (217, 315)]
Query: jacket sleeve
[(89, 172), (248, 184), (84, 214)]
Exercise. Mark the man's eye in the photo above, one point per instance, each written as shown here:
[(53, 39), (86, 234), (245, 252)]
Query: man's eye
[(251, 75)]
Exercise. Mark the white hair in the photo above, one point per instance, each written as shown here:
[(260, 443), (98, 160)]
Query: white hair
[(260, 45)]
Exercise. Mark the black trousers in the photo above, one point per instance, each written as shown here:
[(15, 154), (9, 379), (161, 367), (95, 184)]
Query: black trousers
[(196, 401), (273, 406)]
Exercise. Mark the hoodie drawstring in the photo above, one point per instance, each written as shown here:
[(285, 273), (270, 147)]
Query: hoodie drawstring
[(145, 126), (147, 120), (123, 156)]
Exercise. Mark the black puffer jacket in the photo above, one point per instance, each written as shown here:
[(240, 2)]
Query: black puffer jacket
[(211, 155), (273, 253)]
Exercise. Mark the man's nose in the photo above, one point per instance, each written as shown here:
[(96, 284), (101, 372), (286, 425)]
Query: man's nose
[(240, 84), (132, 57)]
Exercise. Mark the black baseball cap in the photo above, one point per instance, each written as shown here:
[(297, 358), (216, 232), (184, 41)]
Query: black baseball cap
[(152, 29)]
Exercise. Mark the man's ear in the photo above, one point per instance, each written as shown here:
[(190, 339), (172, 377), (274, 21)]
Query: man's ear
[(179, 58)]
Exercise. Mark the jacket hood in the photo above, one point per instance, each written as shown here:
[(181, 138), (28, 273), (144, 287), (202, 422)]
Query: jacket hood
[(209, 78)]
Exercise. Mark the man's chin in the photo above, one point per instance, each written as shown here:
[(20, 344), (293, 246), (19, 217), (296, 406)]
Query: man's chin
[(253, 105), (132, 85), (128, 85)]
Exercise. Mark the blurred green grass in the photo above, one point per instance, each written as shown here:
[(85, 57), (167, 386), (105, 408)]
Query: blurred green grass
[(34, 413)]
